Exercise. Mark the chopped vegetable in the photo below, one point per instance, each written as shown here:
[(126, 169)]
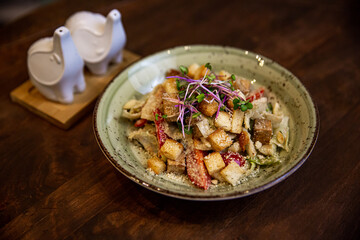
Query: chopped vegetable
[(140, 122), (196, 169)]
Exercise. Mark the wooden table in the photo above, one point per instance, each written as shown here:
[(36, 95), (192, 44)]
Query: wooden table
[(57, 184)]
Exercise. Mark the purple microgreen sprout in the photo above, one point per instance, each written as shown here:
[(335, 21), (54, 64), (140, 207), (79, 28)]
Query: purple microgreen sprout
[(194, 91)]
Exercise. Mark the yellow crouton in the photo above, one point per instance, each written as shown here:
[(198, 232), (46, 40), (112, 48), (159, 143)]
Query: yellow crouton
[(223, 121), (214, 163), (224, 75), (157, 165), (232, 173), (170, 86), (219, 140), (171, 149), (192, 70), (237, 121), (208, 106)]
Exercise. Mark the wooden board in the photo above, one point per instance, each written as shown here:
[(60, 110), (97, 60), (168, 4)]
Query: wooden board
[(63, 115)]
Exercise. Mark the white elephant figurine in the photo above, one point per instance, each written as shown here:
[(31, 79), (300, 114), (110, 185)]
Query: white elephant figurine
[(55, 67), (99, 40)]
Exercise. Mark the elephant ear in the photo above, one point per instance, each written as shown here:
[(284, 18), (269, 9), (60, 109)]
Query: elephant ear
[(46, 67)]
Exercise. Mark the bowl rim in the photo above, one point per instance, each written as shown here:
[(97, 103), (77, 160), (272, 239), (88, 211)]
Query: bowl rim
[(227, 196)]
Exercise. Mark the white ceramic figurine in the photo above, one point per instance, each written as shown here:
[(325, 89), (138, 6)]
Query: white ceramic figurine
[(55, 67), (99, 40)]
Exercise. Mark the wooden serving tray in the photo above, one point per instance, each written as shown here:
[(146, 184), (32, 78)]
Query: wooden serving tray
[(65, 115)]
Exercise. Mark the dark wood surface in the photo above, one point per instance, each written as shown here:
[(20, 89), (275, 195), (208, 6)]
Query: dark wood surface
[(57, 184)]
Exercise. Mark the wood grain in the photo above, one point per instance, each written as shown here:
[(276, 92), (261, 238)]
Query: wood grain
[(57, 184)]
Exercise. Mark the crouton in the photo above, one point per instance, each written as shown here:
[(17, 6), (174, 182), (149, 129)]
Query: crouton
[(235, 147), (200, 72), (171, 149), (262, 131), (156, 164), (237, 121), (214, 163), (243, 140), (268, 149), (208, 106), (232, 173), (202, 144), (177, 166), (223, 121), (170, 86), (192, 69), (243, 85), (205, 127), (224, 75), (170, 110), (219, 140)]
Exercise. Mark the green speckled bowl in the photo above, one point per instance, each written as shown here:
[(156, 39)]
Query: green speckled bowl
[(110, 130)]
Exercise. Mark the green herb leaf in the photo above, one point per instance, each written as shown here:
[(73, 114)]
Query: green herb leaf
[(184, 70), (249, 105), (195, 115), (243, 108), (233, 77), (200, 97), (208, 66), (231, 84), (188, 131), (178, 84), (156, 116), (222, 108), (164, 116)]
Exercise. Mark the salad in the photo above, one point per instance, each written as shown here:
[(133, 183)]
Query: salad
[(211, 126)]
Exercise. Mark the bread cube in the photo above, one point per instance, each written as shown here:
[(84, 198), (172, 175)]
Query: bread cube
[(214, 163), (237, 121), (208, 106), (156, 164), (218, 176), (205, 127), (230, 104), (262, 131), (170, 86), (223, 121), (235, 147), (171, 149), (268, 149), (200, 72), (170, 110), (192, 70), (232, 173), (219, 140), (202, 144), (224, 75), (177, 166), (243, 85)]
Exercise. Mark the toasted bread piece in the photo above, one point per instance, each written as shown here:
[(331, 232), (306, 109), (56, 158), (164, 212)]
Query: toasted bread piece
[(232, 173), (214, 163), (171, 149), (219, 140), (156, 164)]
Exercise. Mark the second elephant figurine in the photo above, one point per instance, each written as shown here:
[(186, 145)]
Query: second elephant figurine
[(99, 40)]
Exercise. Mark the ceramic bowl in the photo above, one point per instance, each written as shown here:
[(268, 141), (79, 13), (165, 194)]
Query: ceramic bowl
[(111, 130)]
